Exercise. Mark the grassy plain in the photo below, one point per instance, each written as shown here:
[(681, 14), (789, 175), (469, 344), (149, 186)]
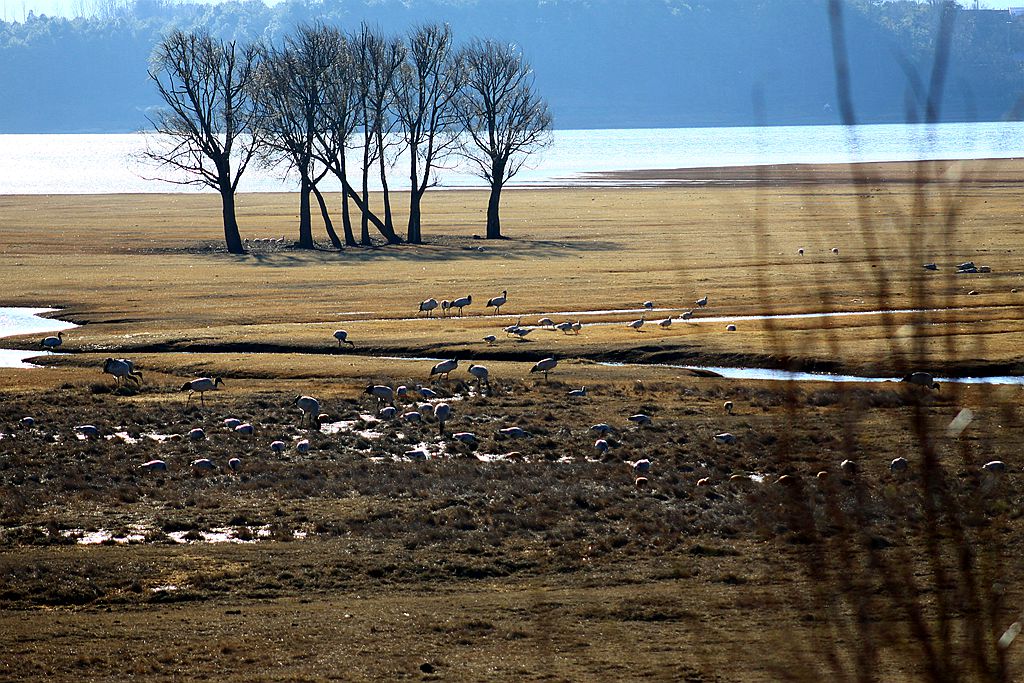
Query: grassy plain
[(546, 563)]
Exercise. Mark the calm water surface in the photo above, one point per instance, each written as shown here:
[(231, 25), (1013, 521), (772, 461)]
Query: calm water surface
[(102, 164), (18, 321)]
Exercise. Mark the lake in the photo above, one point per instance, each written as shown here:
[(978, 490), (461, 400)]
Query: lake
[(104, 164)]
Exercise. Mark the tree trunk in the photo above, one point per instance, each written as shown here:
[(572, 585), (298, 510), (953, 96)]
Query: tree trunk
[(346, 218), (389, 222), (364, 224), (305, 218), (415, 236), (328, 225), (231, 237), (413, 233), (493, 221)]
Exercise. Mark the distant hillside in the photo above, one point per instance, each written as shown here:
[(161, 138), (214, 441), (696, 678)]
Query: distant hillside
[(600, 63)]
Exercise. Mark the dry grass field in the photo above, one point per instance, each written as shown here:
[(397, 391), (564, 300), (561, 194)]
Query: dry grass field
[(537, 558)]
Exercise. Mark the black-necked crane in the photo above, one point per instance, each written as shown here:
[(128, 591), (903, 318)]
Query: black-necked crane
[(462, 302), (122, 369), (50, 343), (154, 466), (638, 324), (444, 368), (578, 393), (545, 365), (702, 302), (429, 305), (490, 339), (446, 308), (442, 411), (922, 379), (565, 327), (342, 337), (665, 324), (381, 392), (497, 302), (649, 305), (640, 419), (576, 327), (482, 375), (310, 408), (200, 386), (546, 322)]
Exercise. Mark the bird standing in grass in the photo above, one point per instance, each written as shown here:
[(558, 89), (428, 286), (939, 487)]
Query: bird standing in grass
[(637, 324), (50, 343), (482, 375), (498, 301), (702, 302), (200, 386), (122, 369), (429, 305), (442, 411), (381, 392), (310, 408), (444, 368), (546, 365), (461, 302), (342, 337)]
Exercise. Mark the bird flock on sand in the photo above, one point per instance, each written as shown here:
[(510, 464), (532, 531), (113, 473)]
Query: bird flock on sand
[(428, 404)]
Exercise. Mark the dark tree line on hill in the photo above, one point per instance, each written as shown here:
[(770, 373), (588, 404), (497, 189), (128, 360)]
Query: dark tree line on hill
[(600, 63), (320, 96)]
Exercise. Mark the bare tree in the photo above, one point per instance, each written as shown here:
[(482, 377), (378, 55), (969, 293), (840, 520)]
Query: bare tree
[(338, 119), (292, 91), (207, 129), (377, 61), (427, 86), (503, 117)]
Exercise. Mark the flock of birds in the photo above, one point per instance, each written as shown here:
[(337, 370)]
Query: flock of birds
[(124, 371)]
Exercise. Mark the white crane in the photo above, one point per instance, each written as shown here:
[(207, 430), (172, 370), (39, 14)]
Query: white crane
[(546, 365), (122, 369), (497, 301), (342, 337), (429, 305), (310, 408), (200, 386), (461, 302), (50, 343), (444, 368)]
